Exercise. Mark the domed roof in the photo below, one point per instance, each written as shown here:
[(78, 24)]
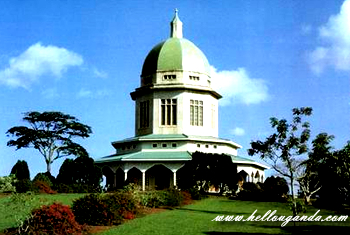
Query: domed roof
[(176, 53)]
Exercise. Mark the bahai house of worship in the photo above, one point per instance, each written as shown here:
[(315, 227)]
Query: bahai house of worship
[(176, 114)]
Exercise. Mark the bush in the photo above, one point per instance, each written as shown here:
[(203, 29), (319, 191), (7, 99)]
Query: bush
[(24, 185), (64, 188), (172, 197), (276, 188), (43, 187), (7, 184), (54, 219), (151, 199), (251, 192), (123, 205), (195, 193), (92, 210), (108, 209), (169, 197), (77, 188), (44, 178)]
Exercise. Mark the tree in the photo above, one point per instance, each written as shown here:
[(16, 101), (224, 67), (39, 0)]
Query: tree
[(208, 169), (275, 188), (310, 181), (285, 148), (335, 177), (67, 172), (21, 170), (50, 133), (80, 171)]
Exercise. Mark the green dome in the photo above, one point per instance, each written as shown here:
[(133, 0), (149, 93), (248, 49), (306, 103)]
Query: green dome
[(175, 54)]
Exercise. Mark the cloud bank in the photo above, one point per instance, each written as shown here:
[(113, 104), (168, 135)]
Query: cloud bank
[(237, 87), (335, 50), (38, 61)]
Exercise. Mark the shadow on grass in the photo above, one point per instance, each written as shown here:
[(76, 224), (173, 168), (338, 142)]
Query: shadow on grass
[(213, 212), (214, 233)]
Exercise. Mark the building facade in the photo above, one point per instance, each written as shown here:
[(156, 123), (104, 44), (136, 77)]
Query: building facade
[(176, 114)]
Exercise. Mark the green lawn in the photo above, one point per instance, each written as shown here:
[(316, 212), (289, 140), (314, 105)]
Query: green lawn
[(192, 219), (196, 219), (11, 211)]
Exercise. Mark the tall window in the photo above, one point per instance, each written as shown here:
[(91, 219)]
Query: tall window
[(168, 112), (144, 114), (196, 113)]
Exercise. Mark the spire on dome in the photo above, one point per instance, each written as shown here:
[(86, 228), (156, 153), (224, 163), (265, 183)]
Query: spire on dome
[(176, 26)]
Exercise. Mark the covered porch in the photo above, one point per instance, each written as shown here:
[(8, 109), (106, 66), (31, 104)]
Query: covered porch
[(150, 170)]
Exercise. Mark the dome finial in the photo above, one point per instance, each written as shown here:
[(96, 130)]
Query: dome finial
[(176, 26)]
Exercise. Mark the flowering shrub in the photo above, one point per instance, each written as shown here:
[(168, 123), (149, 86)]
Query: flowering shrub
[(7, 184), (44, 177), (92, 210), (55, 219), (43, 187), (107, 209)]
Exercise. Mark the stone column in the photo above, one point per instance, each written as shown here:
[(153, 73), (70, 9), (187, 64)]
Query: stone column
[(174, 173), (143, 180), (125, 175), (115, 180)]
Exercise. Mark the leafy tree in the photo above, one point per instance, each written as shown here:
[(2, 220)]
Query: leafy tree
[(276, 187), (335, 177), (80, 171), (66, 174), (50, 133), (284, 149), (21, 170), (208, 169), (310, 180)]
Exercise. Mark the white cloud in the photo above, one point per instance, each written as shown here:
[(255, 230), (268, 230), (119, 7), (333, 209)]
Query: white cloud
[(238, 131), (103, 93), (237, 86), (50, 93), (85, 93), (99, 73), (37, 61), (335, 50)]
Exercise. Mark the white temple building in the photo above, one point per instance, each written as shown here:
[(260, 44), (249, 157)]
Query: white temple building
[(176, 114)]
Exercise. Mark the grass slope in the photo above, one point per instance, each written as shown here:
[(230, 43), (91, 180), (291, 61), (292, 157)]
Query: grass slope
[(192, 219), (196, 219), (13, 208)]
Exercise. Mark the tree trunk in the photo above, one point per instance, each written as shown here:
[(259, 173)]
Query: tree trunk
[(48, 167), (293, 199), (308, 200)]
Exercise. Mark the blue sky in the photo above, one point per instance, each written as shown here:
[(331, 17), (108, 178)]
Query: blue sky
[(85, 57)]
